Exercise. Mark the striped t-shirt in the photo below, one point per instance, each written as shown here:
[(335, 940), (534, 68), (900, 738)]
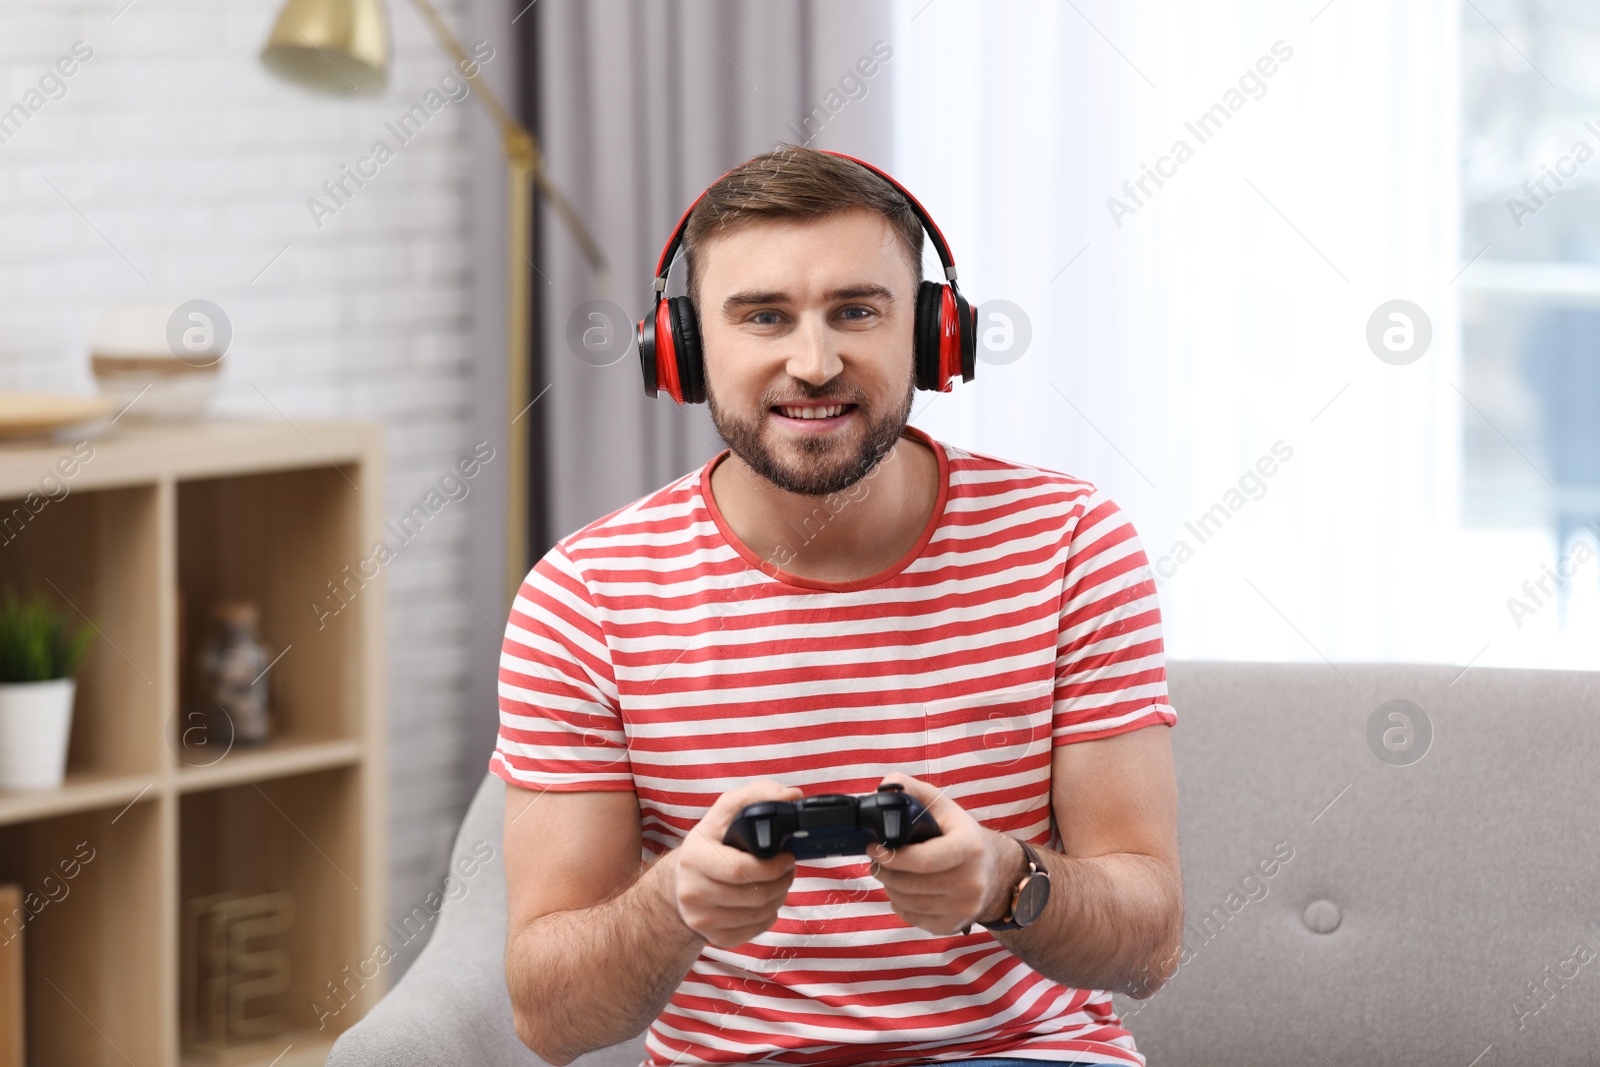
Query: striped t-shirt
[(653, 651)]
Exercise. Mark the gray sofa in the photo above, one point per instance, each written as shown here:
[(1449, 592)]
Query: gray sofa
[(1434, 895)]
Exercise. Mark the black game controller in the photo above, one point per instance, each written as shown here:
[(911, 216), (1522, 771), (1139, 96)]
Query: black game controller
[(832, 824)]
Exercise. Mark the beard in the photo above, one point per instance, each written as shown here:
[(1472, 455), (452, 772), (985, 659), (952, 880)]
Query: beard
[(826, 464)]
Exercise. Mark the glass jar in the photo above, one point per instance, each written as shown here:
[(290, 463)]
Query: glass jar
[(233, 680)]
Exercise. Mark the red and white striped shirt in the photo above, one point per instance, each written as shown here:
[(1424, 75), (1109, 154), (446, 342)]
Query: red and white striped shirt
[(652, 651)]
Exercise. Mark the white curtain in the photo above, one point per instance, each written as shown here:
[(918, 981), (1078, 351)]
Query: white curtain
[(1228, 311)]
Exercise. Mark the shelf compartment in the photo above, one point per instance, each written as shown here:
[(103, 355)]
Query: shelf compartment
[(300, 834), (279, 539), (97, 554), (93, 947)]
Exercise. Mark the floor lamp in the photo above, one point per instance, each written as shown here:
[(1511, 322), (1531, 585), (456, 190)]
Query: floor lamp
[(341, 46)]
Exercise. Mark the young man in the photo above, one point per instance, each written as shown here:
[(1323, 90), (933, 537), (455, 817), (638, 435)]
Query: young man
[(836, 601)]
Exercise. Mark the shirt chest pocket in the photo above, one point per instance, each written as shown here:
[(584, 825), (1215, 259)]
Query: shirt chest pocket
[(1000, 732)]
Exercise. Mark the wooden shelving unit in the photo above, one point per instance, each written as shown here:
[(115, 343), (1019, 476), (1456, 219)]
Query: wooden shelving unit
[(263, 510)]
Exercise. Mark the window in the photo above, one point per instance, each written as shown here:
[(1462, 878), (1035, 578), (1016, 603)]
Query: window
[(1426, 510), (1530, 307)]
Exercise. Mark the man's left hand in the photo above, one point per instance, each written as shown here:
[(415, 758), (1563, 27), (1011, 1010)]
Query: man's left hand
[(945, 884)]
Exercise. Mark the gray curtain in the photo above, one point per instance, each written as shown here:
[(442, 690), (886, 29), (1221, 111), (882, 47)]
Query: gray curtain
[(643, 104)]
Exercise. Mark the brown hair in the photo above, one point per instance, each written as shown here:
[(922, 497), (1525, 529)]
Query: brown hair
[(795, 182)]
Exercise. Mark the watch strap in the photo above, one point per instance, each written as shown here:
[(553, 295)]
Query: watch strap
[(1035, 868)]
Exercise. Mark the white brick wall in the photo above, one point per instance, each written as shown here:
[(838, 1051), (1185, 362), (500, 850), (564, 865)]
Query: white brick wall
[(196, 164)]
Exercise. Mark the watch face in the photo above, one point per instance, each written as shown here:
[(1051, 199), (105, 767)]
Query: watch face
[(1031, 900)]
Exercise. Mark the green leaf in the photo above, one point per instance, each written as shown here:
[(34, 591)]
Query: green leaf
[(39, 642)]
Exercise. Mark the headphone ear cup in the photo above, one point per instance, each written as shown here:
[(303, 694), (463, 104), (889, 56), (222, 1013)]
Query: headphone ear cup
[(967, 325), (658, 353), (929, 296), (645, 339), (686, 339)]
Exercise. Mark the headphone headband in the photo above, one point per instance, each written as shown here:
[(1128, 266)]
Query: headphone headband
[(664, 264)]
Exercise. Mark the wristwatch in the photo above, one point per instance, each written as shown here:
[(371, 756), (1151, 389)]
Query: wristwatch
[(1030, 896)]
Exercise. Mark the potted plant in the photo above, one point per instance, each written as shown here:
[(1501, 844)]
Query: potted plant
[(39, 652)]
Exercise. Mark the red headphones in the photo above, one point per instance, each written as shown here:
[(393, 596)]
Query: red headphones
[(946, 326)]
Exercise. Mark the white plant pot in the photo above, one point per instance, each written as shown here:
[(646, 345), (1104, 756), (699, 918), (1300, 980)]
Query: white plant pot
[(35, 723)]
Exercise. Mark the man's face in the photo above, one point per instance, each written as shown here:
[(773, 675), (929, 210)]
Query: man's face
[(818, 313)]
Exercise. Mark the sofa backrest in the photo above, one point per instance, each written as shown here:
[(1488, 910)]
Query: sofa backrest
[(1434, 895)]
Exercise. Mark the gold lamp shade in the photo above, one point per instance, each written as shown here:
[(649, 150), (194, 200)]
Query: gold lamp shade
[(330, 46)]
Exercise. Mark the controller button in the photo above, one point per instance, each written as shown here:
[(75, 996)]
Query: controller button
[(892, 786), (763, 834), (891, 824)]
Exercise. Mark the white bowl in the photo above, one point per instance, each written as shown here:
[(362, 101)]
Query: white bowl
[(134, 361), (164, 388)]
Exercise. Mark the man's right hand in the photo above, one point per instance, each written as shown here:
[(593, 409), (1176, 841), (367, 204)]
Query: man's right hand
[(725, 895)]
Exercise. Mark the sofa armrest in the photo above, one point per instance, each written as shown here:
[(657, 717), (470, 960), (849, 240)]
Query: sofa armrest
[(433, 1018), (452, 1006)]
